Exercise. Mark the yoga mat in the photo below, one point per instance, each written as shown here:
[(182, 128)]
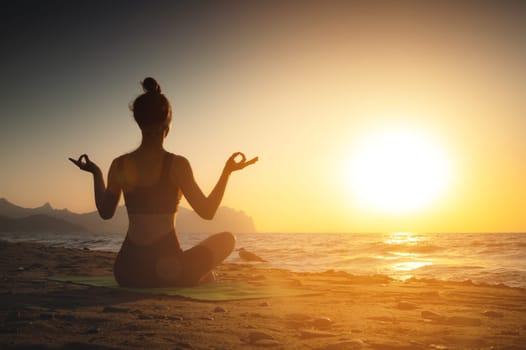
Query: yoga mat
[(216, 291)]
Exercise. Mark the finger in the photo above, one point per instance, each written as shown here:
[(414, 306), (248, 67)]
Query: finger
[(252, 161), (236, 155), (74, 161)]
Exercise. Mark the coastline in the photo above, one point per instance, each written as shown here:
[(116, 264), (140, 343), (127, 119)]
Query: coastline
[(345, 311)]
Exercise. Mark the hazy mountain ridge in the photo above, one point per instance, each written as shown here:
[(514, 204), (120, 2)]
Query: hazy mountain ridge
[(16, 218), (38, 223)]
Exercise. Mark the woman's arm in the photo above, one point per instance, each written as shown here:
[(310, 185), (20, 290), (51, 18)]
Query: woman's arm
[(204, 206), (106, 198)]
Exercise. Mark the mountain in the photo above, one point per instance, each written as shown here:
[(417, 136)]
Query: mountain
[(38, 223), (14, 211), (226, 219)]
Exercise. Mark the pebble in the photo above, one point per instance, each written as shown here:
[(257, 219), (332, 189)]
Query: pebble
[(66, 317), (175, 318), (183, 345), (145, 317), (257, 336), (463, 321), (404, 305), (298, 317), (92, 330), (161, 307), (264, 304), (493, 314), (387, 319), (431, 316), (322, 323), (132, 327), (454, 320), (35, 266), (430, 294), (354, 344), (295, 283), (266, 343), (219, 309), (307, 334), (112, 309)]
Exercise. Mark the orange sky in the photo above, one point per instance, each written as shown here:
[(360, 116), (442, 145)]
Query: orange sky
[(295, 85)]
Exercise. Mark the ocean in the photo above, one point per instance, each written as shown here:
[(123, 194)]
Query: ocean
[(488, 258)]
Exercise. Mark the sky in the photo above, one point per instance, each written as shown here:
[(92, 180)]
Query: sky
[(305, 86)]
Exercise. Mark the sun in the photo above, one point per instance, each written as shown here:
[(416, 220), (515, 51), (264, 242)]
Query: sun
[(398, 171)]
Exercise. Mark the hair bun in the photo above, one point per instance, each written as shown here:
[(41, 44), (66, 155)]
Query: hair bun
[(150, 85)]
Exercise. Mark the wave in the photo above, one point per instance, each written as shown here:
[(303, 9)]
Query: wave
[(499, 258)]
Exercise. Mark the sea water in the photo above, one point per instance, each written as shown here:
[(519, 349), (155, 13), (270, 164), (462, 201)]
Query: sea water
[(496, 258)]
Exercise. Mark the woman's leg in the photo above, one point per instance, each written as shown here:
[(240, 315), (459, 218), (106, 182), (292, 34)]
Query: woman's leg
[(221, 245), (199, 260)]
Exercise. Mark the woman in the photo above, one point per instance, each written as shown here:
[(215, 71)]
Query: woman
[(153, 181)]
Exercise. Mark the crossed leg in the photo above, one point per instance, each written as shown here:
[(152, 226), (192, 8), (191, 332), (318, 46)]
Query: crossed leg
[(199, 260)]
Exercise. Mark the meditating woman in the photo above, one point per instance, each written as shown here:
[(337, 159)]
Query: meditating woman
[(153, 182)]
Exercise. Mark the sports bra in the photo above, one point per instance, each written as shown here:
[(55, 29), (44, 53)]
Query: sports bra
[(160, 198)]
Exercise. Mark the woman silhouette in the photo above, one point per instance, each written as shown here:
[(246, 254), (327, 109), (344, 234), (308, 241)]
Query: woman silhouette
[(153, 181)]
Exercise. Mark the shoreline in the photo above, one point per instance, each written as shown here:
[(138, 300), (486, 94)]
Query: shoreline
[(346, 311), (466, 280)]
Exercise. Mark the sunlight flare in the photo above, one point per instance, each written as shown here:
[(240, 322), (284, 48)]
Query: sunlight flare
[(398, 170)]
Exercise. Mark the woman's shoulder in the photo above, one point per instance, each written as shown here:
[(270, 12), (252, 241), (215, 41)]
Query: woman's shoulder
[(124, 161), (177, 158), (120, 159), (179, 164)]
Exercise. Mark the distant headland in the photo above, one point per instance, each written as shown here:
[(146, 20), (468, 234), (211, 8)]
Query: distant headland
[(14, 218)]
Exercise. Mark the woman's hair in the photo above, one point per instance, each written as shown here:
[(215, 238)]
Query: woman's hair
[(152, 107)]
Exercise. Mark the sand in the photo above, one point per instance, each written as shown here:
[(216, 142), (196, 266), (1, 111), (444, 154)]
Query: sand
[(347, 312)]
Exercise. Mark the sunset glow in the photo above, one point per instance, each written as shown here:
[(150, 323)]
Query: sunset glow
[(365, 118), (398, 170)]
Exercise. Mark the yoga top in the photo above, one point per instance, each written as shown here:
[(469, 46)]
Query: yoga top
[(160, 198)]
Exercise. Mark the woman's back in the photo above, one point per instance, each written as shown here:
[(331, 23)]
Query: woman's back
[(149, 192)]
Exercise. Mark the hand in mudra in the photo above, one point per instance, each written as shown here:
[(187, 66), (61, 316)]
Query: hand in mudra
[(232, 164), (84, 163)]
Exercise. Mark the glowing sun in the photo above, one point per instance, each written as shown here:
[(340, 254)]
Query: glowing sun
[(398, 170)]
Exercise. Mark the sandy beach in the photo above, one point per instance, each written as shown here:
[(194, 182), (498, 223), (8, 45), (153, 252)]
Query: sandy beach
[(343, 311)]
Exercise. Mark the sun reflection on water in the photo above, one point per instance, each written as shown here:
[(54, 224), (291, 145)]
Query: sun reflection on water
[(404, 262), (410, 265), (404, 238)]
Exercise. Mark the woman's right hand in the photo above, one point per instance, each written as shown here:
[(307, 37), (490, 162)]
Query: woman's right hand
[(84, 163), (233, 165)]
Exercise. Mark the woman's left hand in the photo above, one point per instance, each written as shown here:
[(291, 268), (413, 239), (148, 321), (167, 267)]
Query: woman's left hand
[(84, 163), (233, 165)]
